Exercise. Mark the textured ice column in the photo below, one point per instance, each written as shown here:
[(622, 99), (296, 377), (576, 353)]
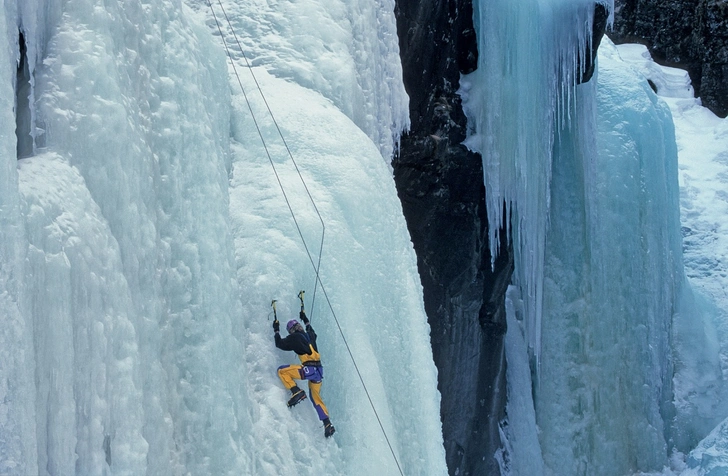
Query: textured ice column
[(370, 273), (516, 101), (588, 176), (613, 271), (17, 420), (134, 97), (87, 366), (348, 51), (698, 334)]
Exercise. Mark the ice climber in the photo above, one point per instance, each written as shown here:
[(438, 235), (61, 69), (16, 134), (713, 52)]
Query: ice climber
[(303, 343)]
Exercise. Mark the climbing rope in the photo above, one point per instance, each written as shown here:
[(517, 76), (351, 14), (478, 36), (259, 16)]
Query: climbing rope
[(265, 146), (316, 267)]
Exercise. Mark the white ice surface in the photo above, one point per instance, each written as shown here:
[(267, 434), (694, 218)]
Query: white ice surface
[(143, 242)]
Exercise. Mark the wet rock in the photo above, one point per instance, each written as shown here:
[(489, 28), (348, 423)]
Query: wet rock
[(440, 184)]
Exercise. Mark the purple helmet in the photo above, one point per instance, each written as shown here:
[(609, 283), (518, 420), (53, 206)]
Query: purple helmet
[(291, 324)]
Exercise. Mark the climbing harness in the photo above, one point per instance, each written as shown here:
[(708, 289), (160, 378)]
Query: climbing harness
[(316, 266)]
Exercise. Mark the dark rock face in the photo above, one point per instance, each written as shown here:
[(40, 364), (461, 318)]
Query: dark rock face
[(440, 184), (599, 25), (690, 34)]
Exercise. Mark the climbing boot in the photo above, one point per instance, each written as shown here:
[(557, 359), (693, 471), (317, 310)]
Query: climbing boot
[(297, 396), (328, 428)]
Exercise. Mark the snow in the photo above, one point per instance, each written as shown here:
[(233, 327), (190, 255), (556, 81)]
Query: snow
[(143, 241), (710, 457)]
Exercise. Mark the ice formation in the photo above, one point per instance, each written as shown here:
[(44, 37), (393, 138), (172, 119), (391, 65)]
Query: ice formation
[(144, 236)]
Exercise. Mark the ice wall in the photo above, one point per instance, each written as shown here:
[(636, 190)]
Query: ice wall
[(123, 291), (17, 443), (589, 174), (129, 278), (144, 239), (699, 328), (613, 275), (347, 51), (368, 265), (516, 101), (368, 269)]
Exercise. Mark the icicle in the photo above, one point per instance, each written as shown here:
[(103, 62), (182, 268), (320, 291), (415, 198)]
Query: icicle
[(517, 101)]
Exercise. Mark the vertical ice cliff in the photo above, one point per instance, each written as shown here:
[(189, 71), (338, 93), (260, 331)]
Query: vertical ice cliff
[(516, 101), (588, 174), (613, 273), (124, 287), (323, 67), (143, 237)]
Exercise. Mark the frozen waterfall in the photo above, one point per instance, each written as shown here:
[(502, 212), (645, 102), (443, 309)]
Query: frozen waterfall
[(144, 233), (145, 236), (605, 325)]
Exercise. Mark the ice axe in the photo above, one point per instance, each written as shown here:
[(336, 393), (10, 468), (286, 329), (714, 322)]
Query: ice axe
[(273, 305), (300, 296)]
